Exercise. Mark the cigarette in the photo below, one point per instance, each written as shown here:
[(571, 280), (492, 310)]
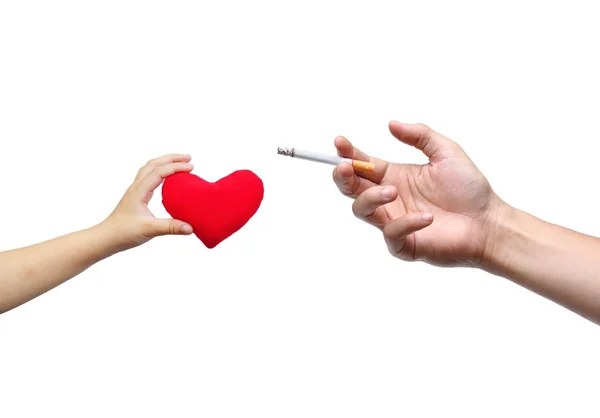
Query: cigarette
[(325, 159)]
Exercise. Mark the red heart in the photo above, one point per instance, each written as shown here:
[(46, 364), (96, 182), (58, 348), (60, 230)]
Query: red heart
[(215, 210)]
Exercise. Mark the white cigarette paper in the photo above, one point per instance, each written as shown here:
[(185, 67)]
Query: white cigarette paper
[(324, 158)]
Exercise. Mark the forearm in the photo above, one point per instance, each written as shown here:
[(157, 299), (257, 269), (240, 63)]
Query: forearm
[(28, 272), (555, 262)]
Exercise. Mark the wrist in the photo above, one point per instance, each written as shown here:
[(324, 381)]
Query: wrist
[(109, 237), (501, 237)]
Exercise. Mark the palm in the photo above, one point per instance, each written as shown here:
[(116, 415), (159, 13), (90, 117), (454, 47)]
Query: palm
[(458, 196), (450, 187)]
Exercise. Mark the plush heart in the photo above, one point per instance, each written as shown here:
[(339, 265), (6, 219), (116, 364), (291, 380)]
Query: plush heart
[(216, 210)]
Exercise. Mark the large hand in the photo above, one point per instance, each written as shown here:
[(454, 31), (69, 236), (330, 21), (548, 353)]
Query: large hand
[(439, 212)]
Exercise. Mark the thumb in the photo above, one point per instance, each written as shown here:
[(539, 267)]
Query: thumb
[(425, 139), (170, 227)]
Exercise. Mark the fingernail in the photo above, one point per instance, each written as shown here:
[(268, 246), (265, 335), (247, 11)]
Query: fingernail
[(427, 217), (186, 229), (387, 192)]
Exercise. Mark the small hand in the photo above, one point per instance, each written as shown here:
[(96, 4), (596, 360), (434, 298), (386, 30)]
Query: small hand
[(131, 223), (439, 212)]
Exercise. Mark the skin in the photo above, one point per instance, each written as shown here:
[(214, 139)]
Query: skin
[(445, 213), (28, 272)]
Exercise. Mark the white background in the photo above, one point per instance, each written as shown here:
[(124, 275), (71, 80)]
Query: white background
[(302, 312)]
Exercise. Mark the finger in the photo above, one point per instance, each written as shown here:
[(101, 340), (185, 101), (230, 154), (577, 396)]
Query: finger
[(165, 159), (368, 206), (348, 182), (161, 227), (155, 177), (425, 139), (396, 232), (347, 150)]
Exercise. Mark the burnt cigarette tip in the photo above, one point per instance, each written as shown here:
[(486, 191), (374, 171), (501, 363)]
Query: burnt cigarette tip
[(288, 152)]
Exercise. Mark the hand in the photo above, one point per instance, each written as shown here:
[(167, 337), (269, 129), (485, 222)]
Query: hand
[(131, 223), (440, 212)]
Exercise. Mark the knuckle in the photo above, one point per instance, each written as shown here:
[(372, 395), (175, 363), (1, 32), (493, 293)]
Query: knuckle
[(455, 145), (140, 173), (337, 178), (169, 170), (343, 187), (424, 129), (392, 250), (355, 208), (388, 233), (353, 188), (130, 191), (402, 256), (335, 175), (346, 191), (387, 236), (398, 251), (146, 227), (162, 172), (364, 209)]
